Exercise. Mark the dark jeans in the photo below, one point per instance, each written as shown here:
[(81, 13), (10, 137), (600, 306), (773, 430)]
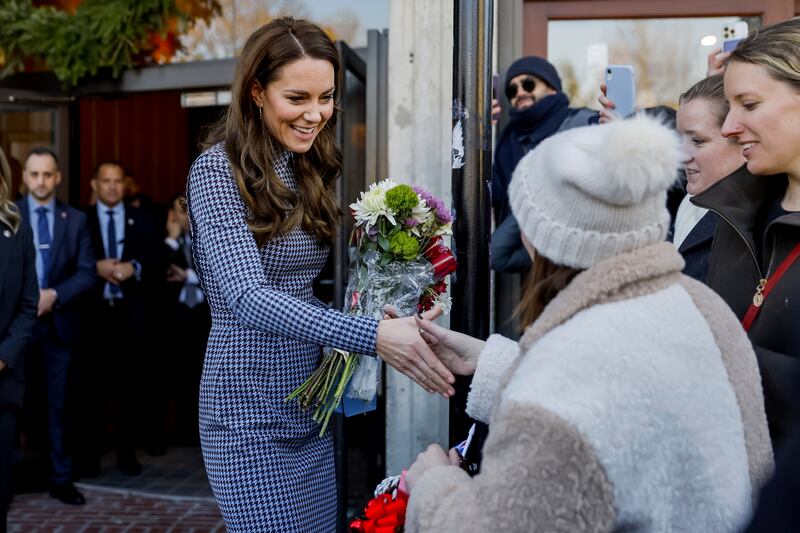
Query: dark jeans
[(48, 361)]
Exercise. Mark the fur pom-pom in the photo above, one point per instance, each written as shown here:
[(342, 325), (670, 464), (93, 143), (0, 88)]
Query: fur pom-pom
[(638, 158)]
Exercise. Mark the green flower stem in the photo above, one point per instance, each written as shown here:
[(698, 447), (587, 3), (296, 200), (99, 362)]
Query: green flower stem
[(344, 379), (323, 391)]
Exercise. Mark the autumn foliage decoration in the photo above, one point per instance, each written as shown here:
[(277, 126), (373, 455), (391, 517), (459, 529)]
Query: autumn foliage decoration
[(75, 38)]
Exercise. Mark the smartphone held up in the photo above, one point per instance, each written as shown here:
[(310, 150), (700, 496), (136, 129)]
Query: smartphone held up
[(621, 89), (733, 34)]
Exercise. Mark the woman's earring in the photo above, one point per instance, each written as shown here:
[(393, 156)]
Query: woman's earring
[(259, 113)]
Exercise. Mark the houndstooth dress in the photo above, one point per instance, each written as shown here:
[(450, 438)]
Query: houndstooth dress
[(269, 469)]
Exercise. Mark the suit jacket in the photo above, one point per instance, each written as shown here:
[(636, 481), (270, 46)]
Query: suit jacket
[(19, 300), (140, 244), (696, 247), (72, 272)]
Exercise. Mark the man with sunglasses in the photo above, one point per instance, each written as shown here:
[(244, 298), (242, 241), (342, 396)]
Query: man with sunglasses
[(538, 110)]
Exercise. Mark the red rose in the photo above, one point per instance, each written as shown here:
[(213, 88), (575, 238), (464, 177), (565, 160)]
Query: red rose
[(425, 302), (440, 287), (440, 256)]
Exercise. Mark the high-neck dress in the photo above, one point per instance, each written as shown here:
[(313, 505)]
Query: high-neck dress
[(268, 468)]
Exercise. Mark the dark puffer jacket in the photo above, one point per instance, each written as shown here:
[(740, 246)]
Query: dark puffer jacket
[(735, 271)]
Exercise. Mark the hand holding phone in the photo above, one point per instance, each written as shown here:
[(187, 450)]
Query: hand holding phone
[(621, 89)]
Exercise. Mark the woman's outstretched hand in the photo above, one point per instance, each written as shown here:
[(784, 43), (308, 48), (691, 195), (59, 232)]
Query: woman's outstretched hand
[(401, 346), (459, 352)]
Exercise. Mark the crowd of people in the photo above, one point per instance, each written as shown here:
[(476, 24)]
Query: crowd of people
[(579, 437), (652, 389), (89, 376)]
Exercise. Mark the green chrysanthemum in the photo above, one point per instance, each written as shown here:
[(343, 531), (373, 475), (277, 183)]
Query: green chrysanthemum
[(404, 246), (401, 199)]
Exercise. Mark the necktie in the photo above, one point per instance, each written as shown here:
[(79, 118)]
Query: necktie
[(44, 245), (111, 253)]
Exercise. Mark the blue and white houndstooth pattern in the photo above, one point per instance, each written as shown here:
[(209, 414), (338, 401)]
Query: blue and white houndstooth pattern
[(268, 468)]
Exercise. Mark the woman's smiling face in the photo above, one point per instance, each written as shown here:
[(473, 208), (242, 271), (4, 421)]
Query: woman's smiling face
[(764, 119), (298, 103), (709, 156)]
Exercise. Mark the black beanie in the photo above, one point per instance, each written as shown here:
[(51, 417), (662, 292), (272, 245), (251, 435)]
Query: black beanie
[(539, 67)]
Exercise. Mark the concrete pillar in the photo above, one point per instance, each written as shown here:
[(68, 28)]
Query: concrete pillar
[(419, 138)]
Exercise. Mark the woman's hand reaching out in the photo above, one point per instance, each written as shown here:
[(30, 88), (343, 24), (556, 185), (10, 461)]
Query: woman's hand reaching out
[(401, 346)]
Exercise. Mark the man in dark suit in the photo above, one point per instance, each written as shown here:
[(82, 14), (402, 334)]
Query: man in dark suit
[(126, 251), (65, 271)]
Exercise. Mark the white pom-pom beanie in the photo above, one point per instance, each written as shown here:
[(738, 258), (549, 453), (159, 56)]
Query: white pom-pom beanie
[(590, 193)]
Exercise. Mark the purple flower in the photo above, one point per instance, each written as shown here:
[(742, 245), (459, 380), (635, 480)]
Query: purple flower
[(411, 222), (372, 233), (443, 215)]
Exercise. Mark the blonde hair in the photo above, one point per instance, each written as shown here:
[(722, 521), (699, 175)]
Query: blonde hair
[(9, 214), (275, 209), (776, 48)]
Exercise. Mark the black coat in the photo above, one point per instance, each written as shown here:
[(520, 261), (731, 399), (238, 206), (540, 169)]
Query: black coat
[(777, 509), (734, 272), (696, 247), (19, 301), (73, 272), (507, 252)]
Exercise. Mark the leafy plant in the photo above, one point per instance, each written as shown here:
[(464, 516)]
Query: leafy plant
[(116, 34)]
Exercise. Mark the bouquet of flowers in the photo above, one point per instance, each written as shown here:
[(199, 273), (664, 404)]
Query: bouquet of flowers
[(397, 257)]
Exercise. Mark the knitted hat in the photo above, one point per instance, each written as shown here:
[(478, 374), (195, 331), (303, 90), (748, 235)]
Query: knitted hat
[(537, 66), (590, 193)]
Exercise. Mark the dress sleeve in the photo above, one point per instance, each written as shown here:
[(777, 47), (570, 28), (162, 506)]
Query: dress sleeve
[(219, 216)]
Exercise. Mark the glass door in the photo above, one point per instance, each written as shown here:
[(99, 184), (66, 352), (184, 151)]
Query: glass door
[(27, 120)]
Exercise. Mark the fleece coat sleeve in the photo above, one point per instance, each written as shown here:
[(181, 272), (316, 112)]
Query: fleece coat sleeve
[(493, 364), (538, 474)]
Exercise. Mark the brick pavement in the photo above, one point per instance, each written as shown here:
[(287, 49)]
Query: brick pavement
[(114, 511)]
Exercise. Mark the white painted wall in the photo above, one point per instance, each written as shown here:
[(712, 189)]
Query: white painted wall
[(419, 138)]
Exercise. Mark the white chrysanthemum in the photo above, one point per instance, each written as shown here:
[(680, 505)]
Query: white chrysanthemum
[(444, 301), (421, 214), (372, 204), (447, 229)]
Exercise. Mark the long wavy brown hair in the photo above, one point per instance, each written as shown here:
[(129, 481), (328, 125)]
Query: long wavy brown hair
[(545, 280), (274, 208)]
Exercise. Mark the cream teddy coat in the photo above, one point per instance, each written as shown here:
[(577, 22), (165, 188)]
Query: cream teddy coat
[(633, 403)]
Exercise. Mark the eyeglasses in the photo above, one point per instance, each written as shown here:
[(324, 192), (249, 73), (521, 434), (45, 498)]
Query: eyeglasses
[(528, 85)]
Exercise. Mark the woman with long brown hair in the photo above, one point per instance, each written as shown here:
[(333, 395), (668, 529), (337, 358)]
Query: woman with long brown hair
[(263, 212), (633, 400), (19, 299)]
